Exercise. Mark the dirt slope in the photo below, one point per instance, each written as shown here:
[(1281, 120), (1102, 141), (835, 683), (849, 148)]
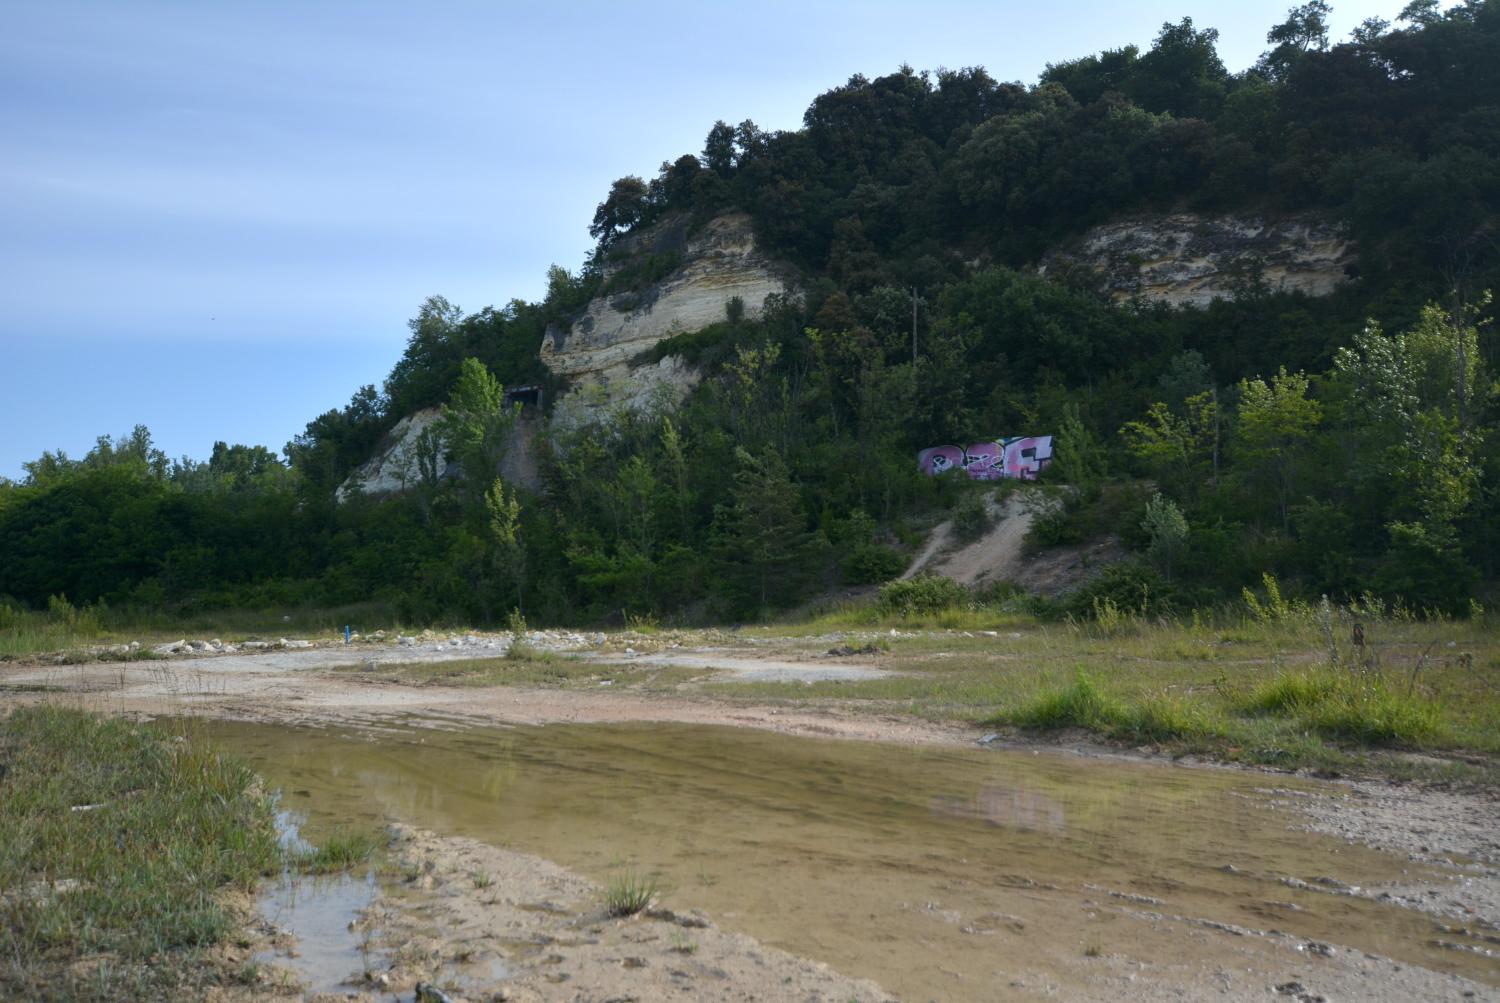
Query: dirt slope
[(998, 555)]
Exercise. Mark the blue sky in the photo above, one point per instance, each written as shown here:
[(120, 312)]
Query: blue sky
[(216, 218)]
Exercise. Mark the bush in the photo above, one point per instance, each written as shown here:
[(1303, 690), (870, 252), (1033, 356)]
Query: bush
[(971, 517), (1129, 588), (923, 595), (869, 563)]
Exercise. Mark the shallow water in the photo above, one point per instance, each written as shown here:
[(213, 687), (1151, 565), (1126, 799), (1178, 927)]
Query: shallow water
[(937, 872), (317, 912)]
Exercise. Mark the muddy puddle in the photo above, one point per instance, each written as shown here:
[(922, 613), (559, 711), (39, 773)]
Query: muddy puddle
[(939, 873)]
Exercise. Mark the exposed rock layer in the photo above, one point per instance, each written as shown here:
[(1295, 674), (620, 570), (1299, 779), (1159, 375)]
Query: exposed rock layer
[(1188, 259), (717, 263), (394, 469)]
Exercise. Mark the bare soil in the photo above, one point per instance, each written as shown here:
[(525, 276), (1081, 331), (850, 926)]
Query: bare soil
[(998, 555)]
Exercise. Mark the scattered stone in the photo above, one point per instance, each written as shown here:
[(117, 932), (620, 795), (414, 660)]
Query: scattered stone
[(845, 650)]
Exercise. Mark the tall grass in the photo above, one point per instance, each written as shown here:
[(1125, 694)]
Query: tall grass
[(1346, 707)]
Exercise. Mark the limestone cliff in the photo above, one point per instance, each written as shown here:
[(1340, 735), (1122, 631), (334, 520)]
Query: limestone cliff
[(395, 469), (1189, 259), (713, 265)]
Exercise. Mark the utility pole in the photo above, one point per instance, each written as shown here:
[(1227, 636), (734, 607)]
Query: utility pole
[(914, 325)]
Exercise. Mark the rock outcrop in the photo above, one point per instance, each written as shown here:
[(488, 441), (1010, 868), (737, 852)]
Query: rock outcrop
[(597, 352), (1189, 260), (395, 469)]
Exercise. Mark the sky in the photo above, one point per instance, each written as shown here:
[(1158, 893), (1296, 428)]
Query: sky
[(216, 218)]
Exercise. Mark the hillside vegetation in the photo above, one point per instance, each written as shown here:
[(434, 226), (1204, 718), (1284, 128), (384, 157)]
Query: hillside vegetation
[(1346, 444)]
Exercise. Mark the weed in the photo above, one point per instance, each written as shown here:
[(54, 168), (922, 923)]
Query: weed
[(483, 879), (628, 893), (339, 852), (642, 623)]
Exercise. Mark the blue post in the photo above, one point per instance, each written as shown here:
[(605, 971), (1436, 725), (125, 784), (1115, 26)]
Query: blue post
[(346, 635)]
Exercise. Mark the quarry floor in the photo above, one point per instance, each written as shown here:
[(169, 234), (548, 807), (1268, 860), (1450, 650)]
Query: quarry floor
[(364, 685)]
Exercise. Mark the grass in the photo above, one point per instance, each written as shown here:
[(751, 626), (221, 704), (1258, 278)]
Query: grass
[(339, 851), (117, 846), (628, 893), (1292, 691)]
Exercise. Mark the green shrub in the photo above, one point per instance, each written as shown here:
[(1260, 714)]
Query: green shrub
[(869, 563), (922, 595), (1127, 588), (971, 517)]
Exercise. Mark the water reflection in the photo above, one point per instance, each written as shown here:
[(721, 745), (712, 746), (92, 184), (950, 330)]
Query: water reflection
[(884, 861), (1012, 806)]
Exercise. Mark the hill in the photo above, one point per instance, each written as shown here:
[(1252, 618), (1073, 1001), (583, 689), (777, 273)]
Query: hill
[(1251, 309)]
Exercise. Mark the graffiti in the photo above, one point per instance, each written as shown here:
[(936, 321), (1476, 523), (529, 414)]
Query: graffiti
[(1019, 458)]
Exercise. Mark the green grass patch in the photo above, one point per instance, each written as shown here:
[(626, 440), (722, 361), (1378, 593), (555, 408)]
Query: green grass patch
[(116, 844), (1350, 708), (340, 851), (628, 893)]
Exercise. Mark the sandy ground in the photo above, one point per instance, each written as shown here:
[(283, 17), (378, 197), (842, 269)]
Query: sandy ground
[(546, 931), (649, 958), (530, 931)]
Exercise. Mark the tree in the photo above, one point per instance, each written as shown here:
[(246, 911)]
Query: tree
[(718, 149), (476, 425), (507, 550), (1276, 420), (764, 554), (1078, 458), (1167, 530), (1182, 74), (1304, 30), (626, 205)]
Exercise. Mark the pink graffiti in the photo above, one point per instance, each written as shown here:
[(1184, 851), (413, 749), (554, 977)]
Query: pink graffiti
[(1025, 458), (940, 459), (1021, 458), (984, 461)]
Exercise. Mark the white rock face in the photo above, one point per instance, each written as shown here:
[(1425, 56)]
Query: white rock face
[(718, 262), (1188, 259), (394, 468)]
